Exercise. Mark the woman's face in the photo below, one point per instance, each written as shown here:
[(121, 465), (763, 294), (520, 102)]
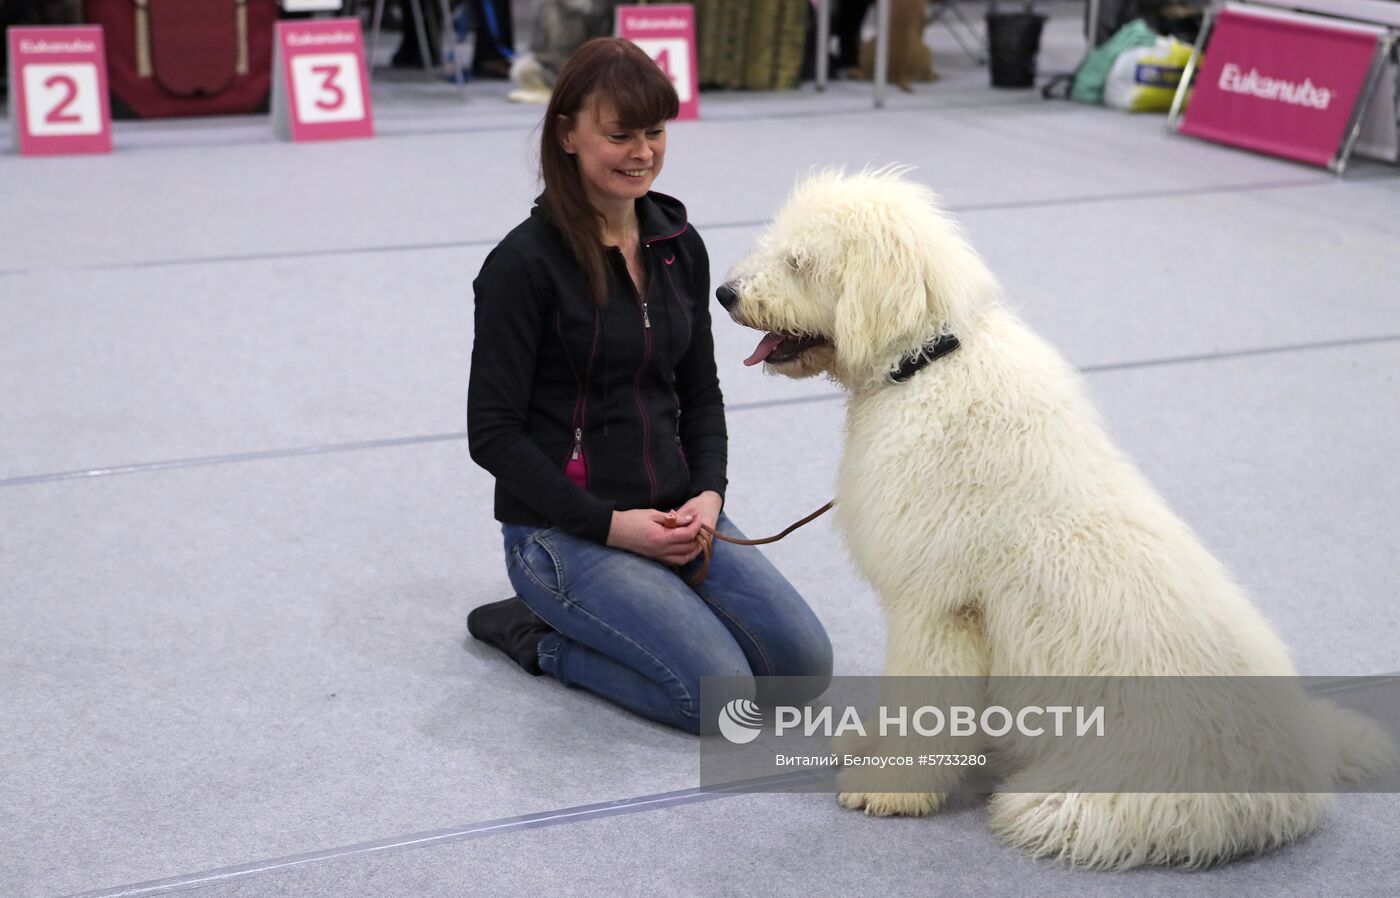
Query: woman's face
[(616, 164)]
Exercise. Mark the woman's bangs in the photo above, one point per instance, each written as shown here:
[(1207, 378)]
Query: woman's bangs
[(640, 93)]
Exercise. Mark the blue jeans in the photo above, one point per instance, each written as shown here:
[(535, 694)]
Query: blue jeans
[(634, 632)]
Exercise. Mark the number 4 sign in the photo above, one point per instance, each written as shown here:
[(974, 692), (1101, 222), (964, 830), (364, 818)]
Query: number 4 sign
[(320, 89), (58, 91), (667, 35)]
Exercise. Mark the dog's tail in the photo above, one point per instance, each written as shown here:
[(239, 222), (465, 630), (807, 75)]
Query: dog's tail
[(1363, 748)]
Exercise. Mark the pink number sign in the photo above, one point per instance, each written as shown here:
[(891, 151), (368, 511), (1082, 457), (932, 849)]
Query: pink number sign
[(58, 91), (667, 34), (321, 86)]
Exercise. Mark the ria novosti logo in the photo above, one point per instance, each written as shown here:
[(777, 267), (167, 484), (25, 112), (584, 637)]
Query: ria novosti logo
[(740, 721)]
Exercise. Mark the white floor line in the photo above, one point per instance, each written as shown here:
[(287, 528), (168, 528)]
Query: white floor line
[(558, 817), (229, 459), (146, 467), (562, 816), (966, 209)]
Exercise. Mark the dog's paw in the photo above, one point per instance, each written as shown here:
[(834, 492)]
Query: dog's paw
[(892, 804), (851, 801)]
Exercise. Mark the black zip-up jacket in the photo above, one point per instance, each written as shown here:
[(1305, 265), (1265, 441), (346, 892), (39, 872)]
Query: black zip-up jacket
[(631, 386)]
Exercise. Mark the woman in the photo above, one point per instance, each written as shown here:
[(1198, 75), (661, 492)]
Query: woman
[(595, 404)]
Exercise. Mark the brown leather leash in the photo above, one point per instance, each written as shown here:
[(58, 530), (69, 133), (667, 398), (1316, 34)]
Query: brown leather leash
[(708, 534), (910, 364)]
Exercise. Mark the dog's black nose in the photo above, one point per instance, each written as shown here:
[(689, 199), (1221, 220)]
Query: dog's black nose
[(726, 296)]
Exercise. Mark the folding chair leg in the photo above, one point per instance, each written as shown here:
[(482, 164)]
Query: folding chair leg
[(979, 52), (376, 21), (976, 49), (418, 26), (449, 32)]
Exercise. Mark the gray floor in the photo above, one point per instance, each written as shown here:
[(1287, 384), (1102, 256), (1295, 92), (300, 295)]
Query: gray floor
[(239, 529)]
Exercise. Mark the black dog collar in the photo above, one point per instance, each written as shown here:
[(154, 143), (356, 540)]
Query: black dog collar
[(930, 352)]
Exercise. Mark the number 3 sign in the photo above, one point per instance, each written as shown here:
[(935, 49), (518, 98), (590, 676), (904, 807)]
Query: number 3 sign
[(58, 91), (320, 87), (667, 35)]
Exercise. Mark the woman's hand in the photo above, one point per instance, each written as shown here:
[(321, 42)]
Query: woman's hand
[(643, 531), (705, 506)]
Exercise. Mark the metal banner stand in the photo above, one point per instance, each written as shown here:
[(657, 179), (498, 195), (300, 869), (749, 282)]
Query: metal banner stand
[(1384, 48), (1183, 87)]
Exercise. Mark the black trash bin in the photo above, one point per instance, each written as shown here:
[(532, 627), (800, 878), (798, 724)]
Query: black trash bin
[(1013, 40)]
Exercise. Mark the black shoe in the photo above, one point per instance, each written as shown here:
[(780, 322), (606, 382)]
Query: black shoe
[(491, 69), (512, 627)]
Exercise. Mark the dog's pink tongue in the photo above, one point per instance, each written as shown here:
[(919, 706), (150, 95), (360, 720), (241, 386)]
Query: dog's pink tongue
[(765, 348)]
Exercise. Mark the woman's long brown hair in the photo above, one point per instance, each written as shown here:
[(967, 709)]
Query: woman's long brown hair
[(616, 72)]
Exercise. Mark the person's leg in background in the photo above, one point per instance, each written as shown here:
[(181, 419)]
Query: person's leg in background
[(495, 38), (779, 633), (628, 629), (848, 16), (409, 55)]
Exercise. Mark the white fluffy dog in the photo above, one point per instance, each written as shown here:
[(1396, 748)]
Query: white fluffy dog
[(1006, 536)]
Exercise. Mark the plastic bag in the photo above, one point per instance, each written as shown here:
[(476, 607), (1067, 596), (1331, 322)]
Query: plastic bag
[(1144, 79), (1093, 71)]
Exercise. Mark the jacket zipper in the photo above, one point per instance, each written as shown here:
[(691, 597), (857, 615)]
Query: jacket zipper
[(637, 380), (680, 447), (685, 316), (580, 417)]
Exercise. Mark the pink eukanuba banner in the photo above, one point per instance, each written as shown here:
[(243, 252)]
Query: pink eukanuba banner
[(1277, 85)]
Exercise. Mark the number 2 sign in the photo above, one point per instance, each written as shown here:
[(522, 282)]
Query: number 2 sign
[(667, 34), (58, 91), (320, 86)]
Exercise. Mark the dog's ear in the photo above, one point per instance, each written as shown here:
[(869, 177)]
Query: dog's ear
[(907, 275), (883, 299)]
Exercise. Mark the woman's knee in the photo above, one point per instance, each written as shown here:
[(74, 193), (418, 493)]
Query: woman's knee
[(801, 669), (801, 651), (814, 656), (726, 677)]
